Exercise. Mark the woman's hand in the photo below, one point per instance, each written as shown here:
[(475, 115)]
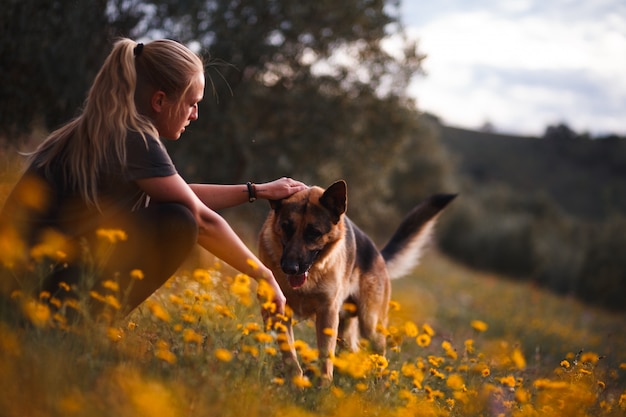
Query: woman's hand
[(279, 189)]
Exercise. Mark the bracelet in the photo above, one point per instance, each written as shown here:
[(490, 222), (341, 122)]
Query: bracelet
[(251, 191)]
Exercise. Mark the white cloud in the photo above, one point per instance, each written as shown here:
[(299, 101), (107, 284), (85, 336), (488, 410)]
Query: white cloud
[(522, 70)]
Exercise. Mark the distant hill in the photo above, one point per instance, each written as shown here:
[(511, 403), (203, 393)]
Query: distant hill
[(585, 176)]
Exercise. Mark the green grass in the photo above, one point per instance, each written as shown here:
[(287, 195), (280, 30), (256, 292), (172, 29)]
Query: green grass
[(198, 347)]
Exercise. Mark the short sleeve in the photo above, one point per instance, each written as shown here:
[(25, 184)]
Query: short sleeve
[(147, 161)]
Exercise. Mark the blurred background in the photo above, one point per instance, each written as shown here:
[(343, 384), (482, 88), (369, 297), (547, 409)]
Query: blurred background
[(518, 108)]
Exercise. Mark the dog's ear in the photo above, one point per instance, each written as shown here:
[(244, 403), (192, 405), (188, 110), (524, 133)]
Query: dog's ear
[(335, 199)]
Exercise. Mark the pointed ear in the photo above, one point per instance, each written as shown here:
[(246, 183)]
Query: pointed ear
[(157, 100), (335, 199)]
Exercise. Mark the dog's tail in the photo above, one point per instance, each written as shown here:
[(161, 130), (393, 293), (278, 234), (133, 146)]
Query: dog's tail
[(403, 251)]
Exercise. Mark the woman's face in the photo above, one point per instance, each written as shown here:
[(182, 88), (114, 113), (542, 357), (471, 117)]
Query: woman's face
[(173, 116)]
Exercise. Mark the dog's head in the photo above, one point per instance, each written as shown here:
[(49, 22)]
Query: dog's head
[(307, 224)]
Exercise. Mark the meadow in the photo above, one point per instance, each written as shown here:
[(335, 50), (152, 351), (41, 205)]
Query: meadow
[(461, 343)]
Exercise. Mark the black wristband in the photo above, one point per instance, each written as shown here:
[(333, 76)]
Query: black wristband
[(251, 191)]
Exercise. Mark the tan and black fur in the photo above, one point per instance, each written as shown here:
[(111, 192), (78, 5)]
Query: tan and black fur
[(322, 260)]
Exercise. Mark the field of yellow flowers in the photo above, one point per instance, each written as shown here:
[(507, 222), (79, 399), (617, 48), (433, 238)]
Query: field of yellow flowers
[(461, 343)]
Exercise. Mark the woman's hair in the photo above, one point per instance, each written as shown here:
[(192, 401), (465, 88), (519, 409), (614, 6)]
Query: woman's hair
[(129, 76)]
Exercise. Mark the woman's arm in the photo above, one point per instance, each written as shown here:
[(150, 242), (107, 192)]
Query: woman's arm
[(215, 234), (218, 196)]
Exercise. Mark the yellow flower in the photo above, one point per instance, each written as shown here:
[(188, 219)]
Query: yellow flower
[(455, 381), (252, 264), (508, 381), (270, 351), (263, 337), (114, 334), (166, 355), (111, 285), (159, 312), (447, 347), (252, 350), (423, 340), (518, 359), (223, 355), (361, 387), (394, 305), (328, 331), (479, 325), (137, 274), (469, 346), (589, 357), (278, 381), (428, 330), (64, 286), (485, 372), (349, 307), (410, 329), (112, 235), (191, 336), (38, 313), (301, 381)]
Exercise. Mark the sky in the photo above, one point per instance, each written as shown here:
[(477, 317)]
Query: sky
[(522, 65)]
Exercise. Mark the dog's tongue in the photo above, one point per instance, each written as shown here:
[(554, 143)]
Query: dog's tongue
[(296, 281)]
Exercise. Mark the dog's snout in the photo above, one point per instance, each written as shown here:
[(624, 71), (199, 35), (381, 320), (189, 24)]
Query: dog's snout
[(290, 267)]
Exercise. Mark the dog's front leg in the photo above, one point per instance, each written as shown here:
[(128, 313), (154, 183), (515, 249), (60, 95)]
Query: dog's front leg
[(326, 326)]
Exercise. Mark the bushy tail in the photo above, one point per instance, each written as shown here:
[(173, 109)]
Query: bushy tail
[(403, 251)]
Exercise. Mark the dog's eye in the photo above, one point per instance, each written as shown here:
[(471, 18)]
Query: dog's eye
[(287, 227), (311, 233)]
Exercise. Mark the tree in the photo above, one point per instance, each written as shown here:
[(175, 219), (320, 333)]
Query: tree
[(50, 51)]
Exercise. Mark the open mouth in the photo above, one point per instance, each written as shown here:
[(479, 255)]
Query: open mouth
[(297, 281)]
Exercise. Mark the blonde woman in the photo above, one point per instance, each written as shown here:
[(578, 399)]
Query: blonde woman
[(106, 170)]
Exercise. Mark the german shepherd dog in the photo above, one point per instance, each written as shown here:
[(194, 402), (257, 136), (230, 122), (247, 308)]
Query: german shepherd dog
[(322, 260)]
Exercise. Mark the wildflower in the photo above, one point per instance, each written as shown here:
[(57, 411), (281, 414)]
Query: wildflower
[(349, 307), (379, 361), (265, 292), (159, 312), (337, 392), (565, 364), (447, 347), (38, 313), (410, 329), (270, 351), (278, 381), (428, 330), (301, 381), (251, 327), (202, 276), (589, 357), (252, 264), (455, 381), (224, 311), (252, 350), (361, 387), (64, 286), (166, 355), (508, 381), (522, 395), (479, 325), (394, 306), (328, 331), (112, 235), (176, 299), (518, 359), (263, 337), (111, 285), (114, 334), (469, 346), (423, 340), (241, 288), (485, 372), (131, 325), (191, 336), (223, 355), (137, 274)]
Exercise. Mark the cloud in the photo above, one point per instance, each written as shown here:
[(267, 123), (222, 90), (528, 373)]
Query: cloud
[(522, 65)]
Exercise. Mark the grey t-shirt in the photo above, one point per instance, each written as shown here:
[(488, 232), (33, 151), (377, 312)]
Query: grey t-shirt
[(61, 207)]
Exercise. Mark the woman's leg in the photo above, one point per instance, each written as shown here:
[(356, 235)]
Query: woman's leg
[(157, 241)]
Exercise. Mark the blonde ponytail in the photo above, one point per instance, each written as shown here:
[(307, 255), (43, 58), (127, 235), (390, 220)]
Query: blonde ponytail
[(87, 143)]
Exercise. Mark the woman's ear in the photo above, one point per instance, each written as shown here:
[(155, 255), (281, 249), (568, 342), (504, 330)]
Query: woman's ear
[(157, 101)]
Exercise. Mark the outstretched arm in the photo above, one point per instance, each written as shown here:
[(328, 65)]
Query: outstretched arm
[(217, 196), (215, 234)]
